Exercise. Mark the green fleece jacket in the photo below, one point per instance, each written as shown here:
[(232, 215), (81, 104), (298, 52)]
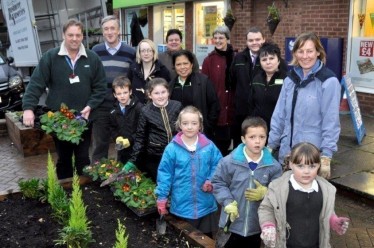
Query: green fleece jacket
[(53, 72)]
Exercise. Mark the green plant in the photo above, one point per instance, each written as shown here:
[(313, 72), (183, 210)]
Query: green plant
[(30, 188), (273, 12), (103, 169), (57, 197), (135, 190), (76, 233), (65, 124), (121, 237), (229, 15), (43, 189)]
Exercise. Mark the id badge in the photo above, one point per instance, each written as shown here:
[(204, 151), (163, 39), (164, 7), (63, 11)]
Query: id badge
[(74, 80)]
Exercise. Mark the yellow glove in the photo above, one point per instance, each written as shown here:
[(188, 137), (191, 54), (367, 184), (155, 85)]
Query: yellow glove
[(232, 210), (121, 141), (256, 194), (325, 170)]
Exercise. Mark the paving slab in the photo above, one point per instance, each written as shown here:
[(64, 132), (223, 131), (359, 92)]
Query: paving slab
[(361, 183), (351, 162)]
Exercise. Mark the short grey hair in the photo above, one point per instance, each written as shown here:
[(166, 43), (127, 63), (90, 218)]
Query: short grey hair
[(222, 30), (110, 18)]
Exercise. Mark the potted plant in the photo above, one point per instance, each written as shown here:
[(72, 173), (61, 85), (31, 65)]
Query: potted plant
[(273, 18), (229, 19)]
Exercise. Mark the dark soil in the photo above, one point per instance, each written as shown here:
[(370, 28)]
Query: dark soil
[(28, 223)]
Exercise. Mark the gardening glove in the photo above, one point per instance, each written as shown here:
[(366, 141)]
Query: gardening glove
[(268, 235), (129, 166), (325, 170), (122, 143), (339, 224), (207, 187), (232, 210), (256, 194), (161, 207)]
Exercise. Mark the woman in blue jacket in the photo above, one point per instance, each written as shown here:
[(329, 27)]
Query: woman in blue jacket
[(308, 106)]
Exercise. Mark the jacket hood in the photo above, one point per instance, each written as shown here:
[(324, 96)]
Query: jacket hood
[(202, 140)]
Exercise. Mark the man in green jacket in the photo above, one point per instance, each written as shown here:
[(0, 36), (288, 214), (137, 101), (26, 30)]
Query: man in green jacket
[(74, 76)]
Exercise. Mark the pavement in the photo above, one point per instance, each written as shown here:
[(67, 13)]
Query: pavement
[(352, 174)]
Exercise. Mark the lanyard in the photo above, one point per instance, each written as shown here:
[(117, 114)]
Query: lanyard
[(68, 60)]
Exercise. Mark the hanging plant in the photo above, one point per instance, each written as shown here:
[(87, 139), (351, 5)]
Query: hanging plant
[(229, 19), (273, 18)]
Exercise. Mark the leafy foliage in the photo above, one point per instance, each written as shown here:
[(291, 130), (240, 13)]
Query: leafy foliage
[(77, 232), (103, 169), (65, 124), (135, 190), (120, 236), (57, 197), (30, 188), (273, 12)]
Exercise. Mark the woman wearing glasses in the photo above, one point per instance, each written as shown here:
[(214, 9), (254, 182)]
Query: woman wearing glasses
[(146, 67)]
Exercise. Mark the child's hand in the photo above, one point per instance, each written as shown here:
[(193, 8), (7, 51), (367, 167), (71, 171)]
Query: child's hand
[(207, 187), (232, 210), (129, 167), (256, 194), (339, 224), (268, 235), (161, 207)]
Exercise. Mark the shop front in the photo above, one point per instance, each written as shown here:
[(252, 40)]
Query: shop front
[(360, 52)]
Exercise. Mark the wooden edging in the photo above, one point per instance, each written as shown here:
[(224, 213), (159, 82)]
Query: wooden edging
[(193, 235)]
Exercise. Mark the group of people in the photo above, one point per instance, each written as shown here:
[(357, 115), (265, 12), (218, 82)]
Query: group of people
[(176, 123)]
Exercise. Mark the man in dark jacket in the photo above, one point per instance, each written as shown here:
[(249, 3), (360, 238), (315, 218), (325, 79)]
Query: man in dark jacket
[(245, 66), (74, 76)]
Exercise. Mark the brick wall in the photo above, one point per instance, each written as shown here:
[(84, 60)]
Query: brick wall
[(366, 102), (327, 18)]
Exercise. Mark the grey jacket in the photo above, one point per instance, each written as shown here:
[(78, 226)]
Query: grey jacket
[(273, 209), (232, 177)]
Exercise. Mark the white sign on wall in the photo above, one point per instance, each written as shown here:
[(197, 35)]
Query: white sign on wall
[(25, 47)]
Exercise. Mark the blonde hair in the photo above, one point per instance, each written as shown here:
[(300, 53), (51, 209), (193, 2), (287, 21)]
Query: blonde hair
[(153, 47), (191, 110), (300, 41)]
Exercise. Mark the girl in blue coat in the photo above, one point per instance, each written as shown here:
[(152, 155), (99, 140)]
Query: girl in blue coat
[(186, 168)]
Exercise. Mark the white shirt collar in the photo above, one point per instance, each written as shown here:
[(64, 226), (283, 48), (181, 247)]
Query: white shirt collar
[(64, 52), (296, 185), (112, 50), (249, 159)]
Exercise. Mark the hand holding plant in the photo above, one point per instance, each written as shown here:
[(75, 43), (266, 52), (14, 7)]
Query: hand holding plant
[(65, 124)]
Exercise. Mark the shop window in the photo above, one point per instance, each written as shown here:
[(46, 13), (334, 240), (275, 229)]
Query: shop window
[(361, 59), (208, 15)]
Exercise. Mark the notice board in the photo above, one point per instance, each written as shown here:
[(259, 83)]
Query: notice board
[(354, 108)]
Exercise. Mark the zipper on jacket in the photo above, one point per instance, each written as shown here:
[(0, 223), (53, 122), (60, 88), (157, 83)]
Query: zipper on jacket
[(248, 204)]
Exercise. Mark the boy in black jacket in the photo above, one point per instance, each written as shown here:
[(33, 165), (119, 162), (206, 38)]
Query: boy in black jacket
[(124, 117)]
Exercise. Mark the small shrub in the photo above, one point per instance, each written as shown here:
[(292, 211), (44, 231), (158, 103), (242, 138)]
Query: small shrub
[(76, 233), (57, 197), (120, 236), (30, 188)]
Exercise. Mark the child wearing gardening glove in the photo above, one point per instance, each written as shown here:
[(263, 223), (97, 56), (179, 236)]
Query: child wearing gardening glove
[(300, 196), (155, 128), (124, 117), (240, 183), (184, 173)]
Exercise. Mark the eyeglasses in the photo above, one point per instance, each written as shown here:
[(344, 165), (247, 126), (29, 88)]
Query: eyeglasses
[(146, 51)]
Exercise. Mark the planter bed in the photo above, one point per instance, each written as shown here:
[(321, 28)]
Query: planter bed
[(28, 223)]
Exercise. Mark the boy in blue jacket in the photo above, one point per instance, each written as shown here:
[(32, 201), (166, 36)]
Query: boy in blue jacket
[(240, 183)]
